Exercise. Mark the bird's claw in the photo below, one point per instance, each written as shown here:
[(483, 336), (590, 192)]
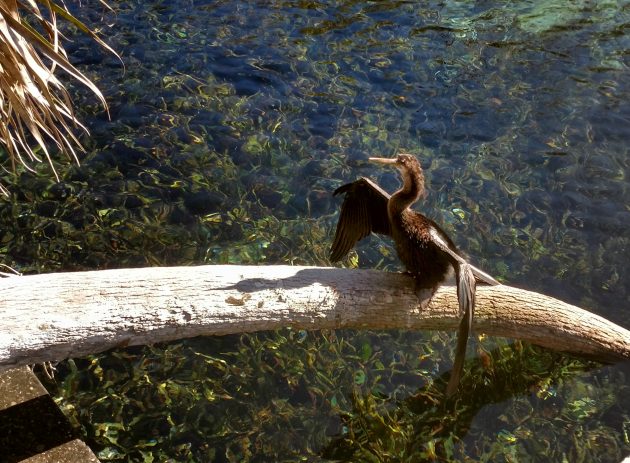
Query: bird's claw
[(424, 296)]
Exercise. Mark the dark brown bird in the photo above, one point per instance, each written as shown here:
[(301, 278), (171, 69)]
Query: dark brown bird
[(424, 248)]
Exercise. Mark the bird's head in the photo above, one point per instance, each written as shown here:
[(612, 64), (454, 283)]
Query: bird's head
[(410, 170), (404, 162)]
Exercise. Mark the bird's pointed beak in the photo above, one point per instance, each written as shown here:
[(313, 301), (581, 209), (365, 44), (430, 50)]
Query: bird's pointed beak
[(388, 161)]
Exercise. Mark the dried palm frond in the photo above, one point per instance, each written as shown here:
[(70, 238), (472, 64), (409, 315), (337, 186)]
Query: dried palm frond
[(35, 108)]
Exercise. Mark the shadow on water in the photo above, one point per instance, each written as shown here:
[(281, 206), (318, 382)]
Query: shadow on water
[(431, 418)]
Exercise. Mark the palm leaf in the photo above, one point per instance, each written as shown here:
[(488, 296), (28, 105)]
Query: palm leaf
[(35, 107)]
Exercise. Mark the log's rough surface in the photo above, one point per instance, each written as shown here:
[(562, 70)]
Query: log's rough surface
[(51, 317)]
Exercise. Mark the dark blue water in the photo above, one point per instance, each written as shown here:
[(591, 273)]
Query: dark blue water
[(517, 113), (233, 121)]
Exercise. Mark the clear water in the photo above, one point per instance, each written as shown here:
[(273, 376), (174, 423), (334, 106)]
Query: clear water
[(230, 126)]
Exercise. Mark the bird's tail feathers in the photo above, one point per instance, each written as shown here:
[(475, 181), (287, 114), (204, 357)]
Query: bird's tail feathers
[(466, 287)]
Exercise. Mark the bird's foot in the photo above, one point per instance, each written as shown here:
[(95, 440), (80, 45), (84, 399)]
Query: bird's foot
[(424, 296)]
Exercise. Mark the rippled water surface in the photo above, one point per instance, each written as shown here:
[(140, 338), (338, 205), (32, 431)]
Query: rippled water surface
[(231, 124)]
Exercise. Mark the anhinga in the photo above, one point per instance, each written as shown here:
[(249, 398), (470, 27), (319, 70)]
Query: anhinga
[(424, 248)]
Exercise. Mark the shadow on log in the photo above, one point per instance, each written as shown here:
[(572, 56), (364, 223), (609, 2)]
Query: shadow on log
[(52, 317)]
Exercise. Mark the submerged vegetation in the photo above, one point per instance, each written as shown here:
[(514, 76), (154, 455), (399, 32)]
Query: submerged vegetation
[(342, 396), (232, 125)]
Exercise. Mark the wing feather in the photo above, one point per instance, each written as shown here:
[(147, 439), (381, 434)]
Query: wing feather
[(441, 239), (363, 211)]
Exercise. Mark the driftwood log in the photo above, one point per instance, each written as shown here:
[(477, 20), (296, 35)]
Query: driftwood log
[(51, 317)]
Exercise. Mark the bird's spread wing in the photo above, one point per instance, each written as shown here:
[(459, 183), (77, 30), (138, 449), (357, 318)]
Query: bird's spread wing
[(364, 210)]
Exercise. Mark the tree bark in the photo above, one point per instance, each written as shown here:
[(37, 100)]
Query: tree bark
[(51, 317)]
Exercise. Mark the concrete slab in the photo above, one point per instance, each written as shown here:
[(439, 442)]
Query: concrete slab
[(19, 385), (32, 427), (74, 451)]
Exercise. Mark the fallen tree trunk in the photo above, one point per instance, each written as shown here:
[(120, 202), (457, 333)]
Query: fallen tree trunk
[(51, 317)]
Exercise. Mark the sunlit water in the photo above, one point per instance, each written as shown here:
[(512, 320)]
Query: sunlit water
[(231, 124)]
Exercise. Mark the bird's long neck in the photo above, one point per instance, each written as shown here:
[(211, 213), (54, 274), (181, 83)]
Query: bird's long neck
[(411, 190)]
